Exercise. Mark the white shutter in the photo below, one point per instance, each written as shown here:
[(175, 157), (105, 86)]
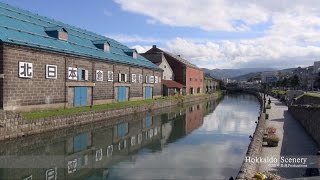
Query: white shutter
[(125, 77), (86, 75), (119, 77), (147, 79)]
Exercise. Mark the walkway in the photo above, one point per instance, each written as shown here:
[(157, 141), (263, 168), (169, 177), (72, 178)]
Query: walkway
[(293, 140)]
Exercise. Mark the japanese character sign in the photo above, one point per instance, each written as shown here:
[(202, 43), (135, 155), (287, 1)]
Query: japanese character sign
[(25, 70), (72, 73), (51, 71), (72, 166), (99, 75), (51, 174)]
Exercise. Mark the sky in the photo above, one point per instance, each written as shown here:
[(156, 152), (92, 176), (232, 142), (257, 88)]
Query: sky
[(209, 33)]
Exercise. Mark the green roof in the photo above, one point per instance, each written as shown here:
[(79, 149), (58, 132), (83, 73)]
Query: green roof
[(25, 28)]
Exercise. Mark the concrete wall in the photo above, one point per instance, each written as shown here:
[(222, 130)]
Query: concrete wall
[(41, 93), (309, 117)]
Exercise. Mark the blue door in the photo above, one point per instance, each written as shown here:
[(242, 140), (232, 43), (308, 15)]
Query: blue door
[(80, 96), (80, 142), (122, 93), (148, 92)]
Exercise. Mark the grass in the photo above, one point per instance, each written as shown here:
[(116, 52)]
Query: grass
[(317, 95), (280, 92), (117, 105)]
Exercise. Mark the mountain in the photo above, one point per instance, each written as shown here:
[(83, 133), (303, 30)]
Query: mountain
[(231, 73), (245, 77)]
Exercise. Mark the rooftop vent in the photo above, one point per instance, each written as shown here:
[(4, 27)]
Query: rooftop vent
[(57, 32), (131, 52), (102, 44), (154, 46)]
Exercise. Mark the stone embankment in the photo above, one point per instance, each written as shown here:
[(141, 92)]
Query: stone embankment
[(13, 126), (309, 118), (248, 169)]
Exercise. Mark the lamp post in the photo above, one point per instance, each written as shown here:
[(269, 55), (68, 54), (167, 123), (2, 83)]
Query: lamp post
[(264, 98)]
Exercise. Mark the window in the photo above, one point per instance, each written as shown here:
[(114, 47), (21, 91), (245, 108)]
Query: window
[(123, 77), (164, 77), (165, 66), (140, 78), (156, 79), (190, 79), (151, 79), (110, 76), (133, 78), (134, 55), (83, 74)]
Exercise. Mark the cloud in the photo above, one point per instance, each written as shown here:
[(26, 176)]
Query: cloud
[(141, 49), (289, 30), (207, 14)]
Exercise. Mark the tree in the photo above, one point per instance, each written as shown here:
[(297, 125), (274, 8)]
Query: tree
[(284, 82), (294, 81)]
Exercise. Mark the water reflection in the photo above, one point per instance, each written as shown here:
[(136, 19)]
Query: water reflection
[(197, 141)]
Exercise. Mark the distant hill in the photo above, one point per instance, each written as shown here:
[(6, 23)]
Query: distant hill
[(245, 77), (232, 73)]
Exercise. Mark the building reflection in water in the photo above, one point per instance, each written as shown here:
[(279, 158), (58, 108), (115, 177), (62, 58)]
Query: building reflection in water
[(90, 150)]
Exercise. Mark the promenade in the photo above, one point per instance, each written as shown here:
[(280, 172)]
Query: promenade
[(294, 140)]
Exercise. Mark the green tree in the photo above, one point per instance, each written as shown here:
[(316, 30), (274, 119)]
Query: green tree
[(284, 82), (294, 81)]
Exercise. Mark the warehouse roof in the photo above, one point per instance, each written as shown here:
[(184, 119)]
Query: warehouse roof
[(22, 27), (178, 58)]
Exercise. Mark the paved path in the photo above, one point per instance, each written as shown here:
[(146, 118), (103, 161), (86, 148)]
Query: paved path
[(293, 140)]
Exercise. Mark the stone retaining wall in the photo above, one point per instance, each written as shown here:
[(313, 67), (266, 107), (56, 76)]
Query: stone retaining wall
[(309, 118), (307, 99), (248, 169), (13, 126)]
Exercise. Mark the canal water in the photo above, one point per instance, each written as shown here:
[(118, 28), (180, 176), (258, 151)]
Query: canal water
[(206, 140)]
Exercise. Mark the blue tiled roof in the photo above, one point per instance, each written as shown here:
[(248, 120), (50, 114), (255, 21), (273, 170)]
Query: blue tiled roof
[(25, 28)]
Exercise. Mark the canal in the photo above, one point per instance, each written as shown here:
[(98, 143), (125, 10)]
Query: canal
[(206, 140)]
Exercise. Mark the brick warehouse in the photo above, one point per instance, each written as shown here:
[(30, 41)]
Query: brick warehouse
[(184, 72), (49, 64)]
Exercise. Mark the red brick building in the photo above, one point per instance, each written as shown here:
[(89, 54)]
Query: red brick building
[(184, 72)]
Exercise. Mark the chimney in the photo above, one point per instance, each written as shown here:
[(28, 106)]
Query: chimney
[(179, 55), (154, 46)]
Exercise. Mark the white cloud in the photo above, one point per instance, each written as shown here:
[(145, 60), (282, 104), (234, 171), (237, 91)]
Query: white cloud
[(141, 49), (206, 14), (291, 30)]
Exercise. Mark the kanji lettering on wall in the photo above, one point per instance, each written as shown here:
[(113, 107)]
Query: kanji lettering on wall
[(25, 70), (51, 71)]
